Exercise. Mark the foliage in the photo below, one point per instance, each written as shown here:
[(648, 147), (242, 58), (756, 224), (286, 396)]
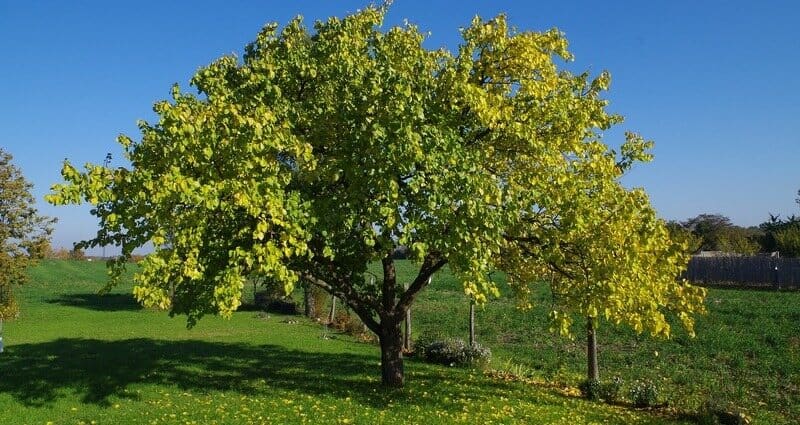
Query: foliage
[(684, 236), (24, 234), (58, 254), (590, 388), (317, 300), (611, 391), (782, 235), (776, 225), (606, 252), (77, 253), (787, 241), (643, 393), (323, 151), (267, 301), (347, 322), (452, 352), (717, 233), (738, 240), (608, 391)]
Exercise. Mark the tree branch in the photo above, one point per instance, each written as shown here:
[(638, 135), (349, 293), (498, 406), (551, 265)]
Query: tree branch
[(430, 266)]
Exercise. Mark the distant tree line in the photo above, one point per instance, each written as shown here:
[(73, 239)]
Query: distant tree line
[(715, 232)]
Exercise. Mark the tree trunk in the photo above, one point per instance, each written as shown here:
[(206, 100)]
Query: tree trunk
[(308, 301), (591, 351), (391, 339), (471, 322)]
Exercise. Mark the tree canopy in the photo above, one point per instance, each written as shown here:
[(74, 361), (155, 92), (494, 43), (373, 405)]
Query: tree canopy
[(605, 251), (324, 150), (782, 235), (23, 233), (717, 233)]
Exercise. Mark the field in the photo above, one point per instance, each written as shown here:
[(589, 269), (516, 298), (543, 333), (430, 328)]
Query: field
[(77, 357)]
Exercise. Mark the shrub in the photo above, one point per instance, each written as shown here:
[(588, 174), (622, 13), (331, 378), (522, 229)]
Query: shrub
[(266, 300), (77, 254), (590, 389), (611, 391), (643, 394), (597, 390), (452, 351), (349, 323), (319, 300)]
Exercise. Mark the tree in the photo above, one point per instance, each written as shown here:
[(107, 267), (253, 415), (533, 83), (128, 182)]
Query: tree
[(719, 234), (607, 253), (323, 151), (787, 240), (682, 235), (708, 227), (782, 235), (24, 235)]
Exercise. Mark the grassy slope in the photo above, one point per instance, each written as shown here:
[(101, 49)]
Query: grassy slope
[(74, 357), (746, 353)]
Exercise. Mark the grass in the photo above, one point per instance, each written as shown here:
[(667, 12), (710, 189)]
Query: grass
[(76, 357), (746, 355)]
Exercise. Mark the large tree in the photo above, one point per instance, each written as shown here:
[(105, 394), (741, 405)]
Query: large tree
[(717, 233), (325, 150), (24, 235)]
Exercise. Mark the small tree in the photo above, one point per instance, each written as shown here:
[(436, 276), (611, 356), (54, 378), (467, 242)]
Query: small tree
[(24, 235), (613, 259)]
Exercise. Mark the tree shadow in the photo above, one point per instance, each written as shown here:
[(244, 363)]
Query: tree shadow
[(98, 302), (95, 370)]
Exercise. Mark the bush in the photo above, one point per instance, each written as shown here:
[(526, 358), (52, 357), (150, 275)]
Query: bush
[(319, 300), (590, 389), (348, 323), (452, 352), (612, 391), (643, 394), (606, 391), (267, 301), (77, 254)]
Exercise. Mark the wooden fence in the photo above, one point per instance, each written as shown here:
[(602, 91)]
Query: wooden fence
[(745, 271)]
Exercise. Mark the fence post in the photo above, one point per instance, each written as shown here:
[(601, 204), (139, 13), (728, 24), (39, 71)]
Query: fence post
[(777, 276)]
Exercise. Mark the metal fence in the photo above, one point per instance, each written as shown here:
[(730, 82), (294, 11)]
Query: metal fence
[(757, 271)]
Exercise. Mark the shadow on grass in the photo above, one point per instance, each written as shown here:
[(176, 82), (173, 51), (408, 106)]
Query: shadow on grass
[(98, 302), (95, 370)]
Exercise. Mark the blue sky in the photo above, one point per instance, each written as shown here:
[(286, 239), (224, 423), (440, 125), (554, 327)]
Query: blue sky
[(715, 84)]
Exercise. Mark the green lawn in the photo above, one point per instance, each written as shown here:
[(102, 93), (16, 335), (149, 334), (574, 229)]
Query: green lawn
[(76, 357), (746, 354)]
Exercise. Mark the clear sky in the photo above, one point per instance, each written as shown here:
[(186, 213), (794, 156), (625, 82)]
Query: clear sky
[(714, 83)]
